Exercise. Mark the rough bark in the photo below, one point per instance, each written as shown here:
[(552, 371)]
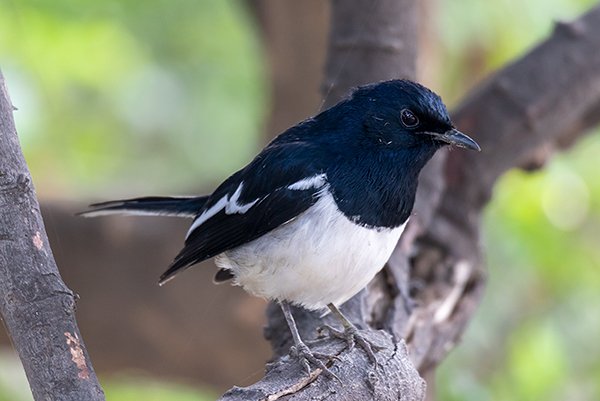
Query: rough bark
[(37, 308), (543, 101)]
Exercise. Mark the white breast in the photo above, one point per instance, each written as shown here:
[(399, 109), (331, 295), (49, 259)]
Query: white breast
[(318, 258)]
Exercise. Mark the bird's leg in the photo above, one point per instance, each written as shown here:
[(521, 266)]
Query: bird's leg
[(300, 350), (350, 334)]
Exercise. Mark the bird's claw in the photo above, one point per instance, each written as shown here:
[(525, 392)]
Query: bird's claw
[(352, 336), (305, 356)]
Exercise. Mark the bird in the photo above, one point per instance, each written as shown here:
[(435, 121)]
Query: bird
[(317, 213)]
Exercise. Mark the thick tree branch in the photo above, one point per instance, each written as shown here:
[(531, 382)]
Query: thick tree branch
[(544, 100), (37, 308), (530, 106)]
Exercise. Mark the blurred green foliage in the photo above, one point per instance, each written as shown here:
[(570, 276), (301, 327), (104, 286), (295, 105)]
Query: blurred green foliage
[(472, 38), (535, 336), (136, 97), (135, 389), (132, 97)]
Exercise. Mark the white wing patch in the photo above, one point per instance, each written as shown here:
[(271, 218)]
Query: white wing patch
[(230, 204), (315, 181), (233, 206)]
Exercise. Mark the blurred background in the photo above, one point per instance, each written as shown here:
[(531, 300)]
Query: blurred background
[(123, 98)]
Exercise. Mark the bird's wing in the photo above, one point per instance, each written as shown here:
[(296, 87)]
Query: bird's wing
[(275, 188)]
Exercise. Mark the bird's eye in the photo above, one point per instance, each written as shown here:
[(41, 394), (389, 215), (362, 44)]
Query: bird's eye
[(408, 118)]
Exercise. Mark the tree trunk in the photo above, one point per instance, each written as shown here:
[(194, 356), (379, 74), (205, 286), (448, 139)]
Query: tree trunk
[(37, 308)]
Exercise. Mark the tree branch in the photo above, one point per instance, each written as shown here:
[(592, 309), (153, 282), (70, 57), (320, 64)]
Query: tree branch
[(37, 308), (528, 107)]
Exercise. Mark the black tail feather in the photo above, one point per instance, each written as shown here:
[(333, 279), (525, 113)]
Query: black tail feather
[(151, 206)]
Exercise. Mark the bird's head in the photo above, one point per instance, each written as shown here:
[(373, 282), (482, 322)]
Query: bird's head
[(405, 114)]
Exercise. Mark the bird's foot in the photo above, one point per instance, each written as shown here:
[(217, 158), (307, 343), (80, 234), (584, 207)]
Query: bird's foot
[(352, 337), (306, 357)]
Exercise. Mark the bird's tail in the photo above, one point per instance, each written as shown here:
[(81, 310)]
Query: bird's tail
[(149, 206)]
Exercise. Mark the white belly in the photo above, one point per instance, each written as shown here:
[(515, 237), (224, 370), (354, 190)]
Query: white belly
[(318, 258)]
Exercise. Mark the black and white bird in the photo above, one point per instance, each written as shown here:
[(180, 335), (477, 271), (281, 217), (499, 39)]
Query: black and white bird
[(318, 212)]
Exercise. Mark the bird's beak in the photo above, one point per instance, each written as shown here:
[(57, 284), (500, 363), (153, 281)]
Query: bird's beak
[(456, 138)]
